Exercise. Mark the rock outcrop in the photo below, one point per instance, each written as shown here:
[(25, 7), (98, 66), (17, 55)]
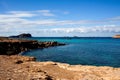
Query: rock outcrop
[(20, 68), (25, 68), (9, 46), (116, 36)]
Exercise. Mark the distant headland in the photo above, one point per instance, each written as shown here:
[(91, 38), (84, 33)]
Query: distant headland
[(116, 36), (23, 35)]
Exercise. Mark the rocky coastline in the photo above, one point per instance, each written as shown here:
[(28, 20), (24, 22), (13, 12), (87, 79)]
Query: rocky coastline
[(12, 46), (17, 67)]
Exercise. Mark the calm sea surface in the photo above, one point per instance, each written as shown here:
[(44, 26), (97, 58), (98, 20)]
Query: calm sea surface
[(85, 51)]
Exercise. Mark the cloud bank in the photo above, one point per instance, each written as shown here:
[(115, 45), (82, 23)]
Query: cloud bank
[(44, 21)]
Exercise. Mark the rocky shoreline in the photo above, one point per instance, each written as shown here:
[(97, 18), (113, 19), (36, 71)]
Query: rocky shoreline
[(12, 46), (16, 67)]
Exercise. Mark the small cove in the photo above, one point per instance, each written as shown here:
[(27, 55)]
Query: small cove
[(85, 51)]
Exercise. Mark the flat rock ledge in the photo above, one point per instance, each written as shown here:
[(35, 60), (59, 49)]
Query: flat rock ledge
[(17, 67)]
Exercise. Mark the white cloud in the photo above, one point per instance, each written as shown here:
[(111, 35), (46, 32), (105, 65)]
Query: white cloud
[(16, 15), (23, 21), (83, 29), (65, 12), (20, 17), (105, 28), (46, 12), (115, 18), (60, 31), (20, 14)]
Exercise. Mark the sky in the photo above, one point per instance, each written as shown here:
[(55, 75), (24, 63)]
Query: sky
[(58, 18)]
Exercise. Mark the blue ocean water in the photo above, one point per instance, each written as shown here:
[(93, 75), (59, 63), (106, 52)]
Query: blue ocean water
[(85, 51)]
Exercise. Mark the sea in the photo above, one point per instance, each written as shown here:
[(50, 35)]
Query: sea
[(96, 51)]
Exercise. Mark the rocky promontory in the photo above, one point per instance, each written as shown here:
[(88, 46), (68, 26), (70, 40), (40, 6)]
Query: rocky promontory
[(23, 35), (11, 46), (116, 36)]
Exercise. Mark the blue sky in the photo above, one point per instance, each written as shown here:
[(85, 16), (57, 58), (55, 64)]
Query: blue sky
[(60, 17)]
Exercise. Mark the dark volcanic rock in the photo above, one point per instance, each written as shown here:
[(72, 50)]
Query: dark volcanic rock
[(47, 44), (15, 47)]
